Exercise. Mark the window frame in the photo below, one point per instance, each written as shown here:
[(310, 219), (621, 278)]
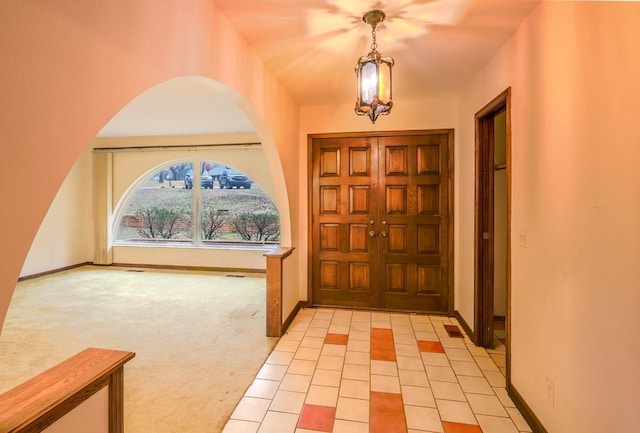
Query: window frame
[(196, 240)]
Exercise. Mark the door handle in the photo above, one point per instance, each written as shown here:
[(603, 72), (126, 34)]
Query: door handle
[(372, 234), (383, 234)]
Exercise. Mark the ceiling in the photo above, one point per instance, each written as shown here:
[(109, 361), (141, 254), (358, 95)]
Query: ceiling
[(312, 46)]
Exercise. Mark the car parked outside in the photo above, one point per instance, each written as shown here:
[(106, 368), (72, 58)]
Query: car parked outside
[(234, 179), (206, 181)]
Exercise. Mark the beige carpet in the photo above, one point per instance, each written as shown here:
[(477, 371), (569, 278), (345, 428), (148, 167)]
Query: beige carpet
[(199, 338)]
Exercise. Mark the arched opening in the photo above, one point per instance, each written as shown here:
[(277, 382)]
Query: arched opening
[(236, 148)]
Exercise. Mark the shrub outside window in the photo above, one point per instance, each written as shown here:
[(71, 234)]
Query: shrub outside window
[(229, 208)]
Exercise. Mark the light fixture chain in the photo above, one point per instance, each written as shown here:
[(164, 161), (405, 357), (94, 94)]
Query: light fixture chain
[(374, 44)]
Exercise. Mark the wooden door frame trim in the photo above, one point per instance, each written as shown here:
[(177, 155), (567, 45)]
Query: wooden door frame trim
[(393, 133), (481, 293)]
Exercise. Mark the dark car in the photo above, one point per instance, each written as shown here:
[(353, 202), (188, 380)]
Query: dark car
[(234, 179), (206, 181)]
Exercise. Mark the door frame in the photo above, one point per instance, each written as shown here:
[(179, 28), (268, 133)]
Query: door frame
[(484, 230), (398, 133)]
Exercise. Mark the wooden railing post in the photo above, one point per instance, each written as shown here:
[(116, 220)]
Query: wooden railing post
[(116, 402), (275, 260)]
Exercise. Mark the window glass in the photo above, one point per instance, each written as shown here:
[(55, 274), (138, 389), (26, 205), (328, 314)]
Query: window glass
[(232, 208), (161, 209), (236, 210)]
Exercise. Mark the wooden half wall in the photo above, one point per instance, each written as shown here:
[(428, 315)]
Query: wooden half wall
[(275, 283)]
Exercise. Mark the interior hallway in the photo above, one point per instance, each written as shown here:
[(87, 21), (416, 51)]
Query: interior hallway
[(345, 371)]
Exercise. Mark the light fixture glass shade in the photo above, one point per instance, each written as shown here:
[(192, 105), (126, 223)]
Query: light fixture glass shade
[(373, 75)]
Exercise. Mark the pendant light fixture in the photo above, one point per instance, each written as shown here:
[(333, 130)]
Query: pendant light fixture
[(373, 75)]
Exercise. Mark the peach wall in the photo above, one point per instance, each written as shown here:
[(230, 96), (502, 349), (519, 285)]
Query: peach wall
[(573, 68), (69, 67), (65, 236)]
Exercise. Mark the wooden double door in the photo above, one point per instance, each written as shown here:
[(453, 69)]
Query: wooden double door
[(382, 233)]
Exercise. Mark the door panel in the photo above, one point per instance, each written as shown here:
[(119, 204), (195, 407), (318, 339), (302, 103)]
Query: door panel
[(412, 250), (380, 222), (342, 207)]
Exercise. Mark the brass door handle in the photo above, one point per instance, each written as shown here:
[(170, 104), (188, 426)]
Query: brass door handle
[(372, 234), (383, 234)]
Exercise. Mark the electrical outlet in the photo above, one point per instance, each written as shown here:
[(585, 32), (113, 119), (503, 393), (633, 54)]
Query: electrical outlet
[(523, 238), (550, 388)]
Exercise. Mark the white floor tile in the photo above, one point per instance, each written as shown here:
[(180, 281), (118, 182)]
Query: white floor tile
[(442, 374), (330, 362), (486, 364), (272, 372), (353, 409), (280, 358), (476, 385), (313, 342), (361, 326), (495, 424), (447, 391), (384, 368), (316, 332), (356, 372), (322, 395), (504, 397), (423, 418), (388, 384), (496, 379), (307, 354), (417, 396), (295, 382), (326, 377), (251, 409), (342, 426), (354, 389), (299, 366), (262, 388), (287, 401), (464, 368), (426, 336), (360, 358), (356, 335), (413, 378), (453, 343), (410, 363), (287, 346), (359, 346), (458, 354), (407, 350), (455, 411), (486, 405), (433, 358), (278, 422), (518, 420), (237, 426)]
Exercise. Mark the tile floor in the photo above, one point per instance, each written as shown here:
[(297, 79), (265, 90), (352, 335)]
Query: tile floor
[(345, 371)]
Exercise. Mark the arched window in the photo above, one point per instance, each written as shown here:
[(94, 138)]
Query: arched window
[(213, 205)]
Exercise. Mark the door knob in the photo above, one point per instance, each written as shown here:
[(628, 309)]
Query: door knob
[(383, 234), (384, 223), (372, 234)]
